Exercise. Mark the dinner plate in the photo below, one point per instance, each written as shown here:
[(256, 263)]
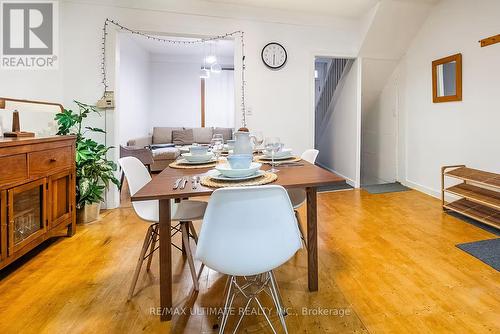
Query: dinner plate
[(185, 162), (216, 175), (289, 157)]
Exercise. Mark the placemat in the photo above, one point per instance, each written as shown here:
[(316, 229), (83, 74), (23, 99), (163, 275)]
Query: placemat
[(263, 159), (268, 177), (181, 166)]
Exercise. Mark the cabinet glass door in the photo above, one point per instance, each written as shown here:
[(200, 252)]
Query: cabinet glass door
[(26, 214)]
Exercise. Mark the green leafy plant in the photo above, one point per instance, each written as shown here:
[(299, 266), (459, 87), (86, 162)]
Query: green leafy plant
[(94, 171)]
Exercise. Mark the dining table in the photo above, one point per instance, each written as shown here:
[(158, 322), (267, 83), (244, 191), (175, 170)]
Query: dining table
[(299, 175)]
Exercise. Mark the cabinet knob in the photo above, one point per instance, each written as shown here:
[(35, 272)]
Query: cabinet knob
[(53, 159)]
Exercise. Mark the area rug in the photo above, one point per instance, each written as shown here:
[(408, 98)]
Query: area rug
[(385, 188), (487, 251), (335, 187)]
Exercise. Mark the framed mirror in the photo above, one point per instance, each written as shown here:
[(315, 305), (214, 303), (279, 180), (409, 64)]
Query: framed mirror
[(447, 79)]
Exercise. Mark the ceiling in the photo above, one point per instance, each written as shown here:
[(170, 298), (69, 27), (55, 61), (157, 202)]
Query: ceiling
[(224, 49), (344, 8)]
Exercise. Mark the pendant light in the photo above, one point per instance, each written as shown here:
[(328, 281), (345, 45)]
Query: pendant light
[(204, 72), (215, 68)]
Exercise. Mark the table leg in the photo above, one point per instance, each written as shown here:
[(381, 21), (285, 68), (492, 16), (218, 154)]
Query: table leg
[(312, 239), (164, 227)]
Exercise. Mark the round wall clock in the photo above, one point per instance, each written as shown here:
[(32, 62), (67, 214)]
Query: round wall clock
[(274, 55)]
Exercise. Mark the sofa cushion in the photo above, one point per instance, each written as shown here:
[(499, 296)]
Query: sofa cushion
[(182, 137), (202, 135), (163, 135), (227, 133), (167, 153)]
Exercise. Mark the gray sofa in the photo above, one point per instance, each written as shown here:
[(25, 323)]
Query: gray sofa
[(166, 143)]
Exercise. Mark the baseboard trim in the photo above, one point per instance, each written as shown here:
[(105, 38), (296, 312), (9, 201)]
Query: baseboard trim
[(422, 188), (348, 180)]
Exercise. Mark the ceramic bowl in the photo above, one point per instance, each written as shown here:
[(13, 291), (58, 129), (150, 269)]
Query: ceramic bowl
[(226, 170), (240, 161), (198, 150), (198, 157), (281, 154)]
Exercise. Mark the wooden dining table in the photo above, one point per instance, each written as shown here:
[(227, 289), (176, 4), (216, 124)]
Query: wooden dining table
[(301, 175)]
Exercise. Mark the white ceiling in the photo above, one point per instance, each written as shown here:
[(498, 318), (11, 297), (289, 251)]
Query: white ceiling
[(345, 8), (224, 49)]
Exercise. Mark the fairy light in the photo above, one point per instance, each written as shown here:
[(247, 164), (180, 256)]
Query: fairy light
[(237, 33)]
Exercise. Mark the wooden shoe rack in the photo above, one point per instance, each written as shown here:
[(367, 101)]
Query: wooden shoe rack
[(479, 193)]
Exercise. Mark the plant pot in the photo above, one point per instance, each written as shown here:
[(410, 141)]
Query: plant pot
[(88, 214)]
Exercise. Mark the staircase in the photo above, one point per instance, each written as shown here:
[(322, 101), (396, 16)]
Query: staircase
[(327, 95)]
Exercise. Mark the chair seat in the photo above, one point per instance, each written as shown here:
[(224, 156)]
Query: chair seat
[(297, 197), (189, 210)]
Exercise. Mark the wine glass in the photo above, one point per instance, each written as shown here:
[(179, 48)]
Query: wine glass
[(258, 139), (217, 145), (273, 145)]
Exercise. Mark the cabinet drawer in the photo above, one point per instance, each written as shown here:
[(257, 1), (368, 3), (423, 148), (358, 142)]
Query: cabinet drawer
[(46, 161), (13, 168)]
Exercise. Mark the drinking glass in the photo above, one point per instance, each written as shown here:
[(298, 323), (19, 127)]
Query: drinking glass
[(217, 145), (274, 145), (258, 139)]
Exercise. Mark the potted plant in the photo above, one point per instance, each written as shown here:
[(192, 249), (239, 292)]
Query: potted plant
[(94, 171)]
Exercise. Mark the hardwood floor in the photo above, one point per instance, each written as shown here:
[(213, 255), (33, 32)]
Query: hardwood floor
[(388, 263)]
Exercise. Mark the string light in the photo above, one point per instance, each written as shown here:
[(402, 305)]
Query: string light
[(237, 33)]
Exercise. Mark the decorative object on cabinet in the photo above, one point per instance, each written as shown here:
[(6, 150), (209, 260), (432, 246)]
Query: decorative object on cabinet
[(16, 128), (447, 79), (479, 193), (28, 118), (94, 171), (490, 40), (37, 193)]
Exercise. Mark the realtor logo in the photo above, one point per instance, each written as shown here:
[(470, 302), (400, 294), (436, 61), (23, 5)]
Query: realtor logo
[(29, 35)]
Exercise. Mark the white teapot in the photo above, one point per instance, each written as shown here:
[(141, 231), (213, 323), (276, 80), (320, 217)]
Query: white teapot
[(243, 143)]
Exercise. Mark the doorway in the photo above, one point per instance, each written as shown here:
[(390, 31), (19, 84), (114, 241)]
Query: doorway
[(337, 116)]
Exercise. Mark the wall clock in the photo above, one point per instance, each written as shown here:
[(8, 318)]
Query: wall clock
[(274, 55)]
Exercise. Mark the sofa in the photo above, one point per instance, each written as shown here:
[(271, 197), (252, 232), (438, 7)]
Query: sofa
[(167, 143)]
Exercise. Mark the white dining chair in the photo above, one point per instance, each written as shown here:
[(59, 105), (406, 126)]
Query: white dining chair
[(298, 196), (184, 213), (246, 234)]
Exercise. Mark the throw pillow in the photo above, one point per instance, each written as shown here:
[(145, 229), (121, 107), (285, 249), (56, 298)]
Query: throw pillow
[(182, 137)]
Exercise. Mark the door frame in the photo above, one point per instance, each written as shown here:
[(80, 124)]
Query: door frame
[(312, 105)]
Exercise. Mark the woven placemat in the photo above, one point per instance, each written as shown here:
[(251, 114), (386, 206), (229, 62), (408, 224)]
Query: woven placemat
[(264, 159), (207, 181), (175, 164)]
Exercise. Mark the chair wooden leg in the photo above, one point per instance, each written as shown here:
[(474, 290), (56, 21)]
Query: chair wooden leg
[(193, 232), (195, 237), (152, 248), (189, 255), (140, 260), (297, 215), (183, 246)]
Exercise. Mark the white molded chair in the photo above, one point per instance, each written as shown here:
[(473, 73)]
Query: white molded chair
[(249, 232), (186, 212), (298, 196)]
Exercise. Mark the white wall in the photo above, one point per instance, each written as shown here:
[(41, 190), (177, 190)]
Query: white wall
[(281, 101), (133, 87), (466, 132), (339, 142), (175, 94)]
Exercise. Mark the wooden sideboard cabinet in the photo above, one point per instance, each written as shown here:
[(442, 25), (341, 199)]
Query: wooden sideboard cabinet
[(37, 193)]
